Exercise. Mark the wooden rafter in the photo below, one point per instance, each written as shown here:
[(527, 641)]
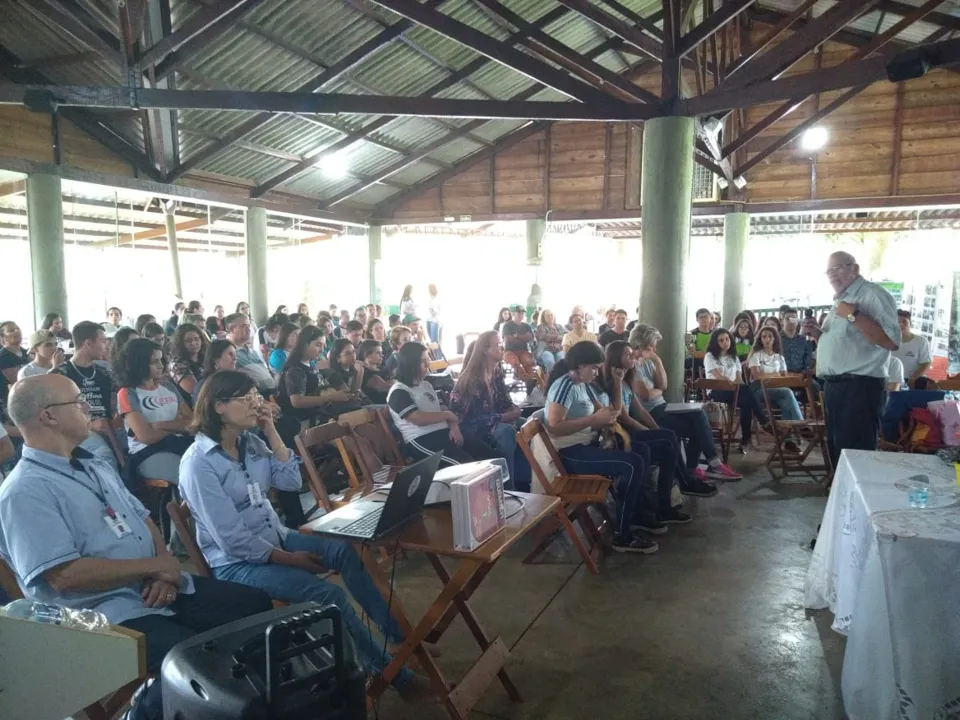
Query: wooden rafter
[(776, 31), (712, 24), (632, 36), (215, 214)]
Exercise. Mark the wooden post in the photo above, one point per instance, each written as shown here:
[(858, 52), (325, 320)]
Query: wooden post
[(897, 142)]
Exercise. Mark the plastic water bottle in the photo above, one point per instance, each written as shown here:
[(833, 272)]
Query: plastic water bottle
[(55, 615), (918, 497)]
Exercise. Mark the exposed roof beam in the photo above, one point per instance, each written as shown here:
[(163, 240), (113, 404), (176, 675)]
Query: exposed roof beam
[(851, 72), (76, 22), (348, 61), (198, 31), (648, 24), (495, 50), (778, 29), (537, 38), (326, 104), (12, 67), (951, 22), (772, 64), (951, 46), (50, 61), (12, 188), (161, 230), (468, 162), (712, 24), (610, 23)]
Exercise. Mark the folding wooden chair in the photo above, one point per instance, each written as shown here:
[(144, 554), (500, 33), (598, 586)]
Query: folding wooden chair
[(576, 493), (724, 432), (368, 450), (950, 383), (107, 708), (318, 445), (781, 463)]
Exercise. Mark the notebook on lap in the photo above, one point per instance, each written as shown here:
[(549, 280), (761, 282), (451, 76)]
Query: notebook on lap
[(370, 520)]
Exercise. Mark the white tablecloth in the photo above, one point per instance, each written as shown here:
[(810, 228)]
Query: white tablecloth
[(891, 575)]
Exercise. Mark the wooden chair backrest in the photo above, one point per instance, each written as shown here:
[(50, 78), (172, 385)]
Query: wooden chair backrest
[(315, 438), (525, 436), (182, 520), (8, 581), (387, 427), (794, 382)]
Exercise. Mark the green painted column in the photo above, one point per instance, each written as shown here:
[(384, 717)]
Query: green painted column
[(666, 198), (256, 245), (736, 234), (45, 230), (374, 255)]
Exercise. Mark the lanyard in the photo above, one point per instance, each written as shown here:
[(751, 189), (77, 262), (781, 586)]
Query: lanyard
[(98, 493)]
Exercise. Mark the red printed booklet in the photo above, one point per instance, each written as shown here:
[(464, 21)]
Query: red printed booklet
[(478, 507)]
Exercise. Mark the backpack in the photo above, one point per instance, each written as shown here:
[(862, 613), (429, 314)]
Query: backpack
[(923, 431)]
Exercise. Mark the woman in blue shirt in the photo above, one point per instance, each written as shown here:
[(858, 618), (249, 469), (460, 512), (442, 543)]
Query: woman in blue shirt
[(286, 342), (575, 412), (225, 479)]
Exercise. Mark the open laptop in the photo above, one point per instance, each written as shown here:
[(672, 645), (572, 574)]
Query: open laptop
[(369, 520)]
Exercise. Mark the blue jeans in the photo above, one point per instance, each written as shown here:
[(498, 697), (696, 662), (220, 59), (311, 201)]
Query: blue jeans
[(664, 450), (433, 330), (627, 469), (548, 359), (782, 398), (296, 585)]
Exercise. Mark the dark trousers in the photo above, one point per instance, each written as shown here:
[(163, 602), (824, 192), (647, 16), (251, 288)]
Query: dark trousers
[(627, 470), (453, 454), (694, 427), (214, 603), (749, 406), (853, 405), (664, 451)]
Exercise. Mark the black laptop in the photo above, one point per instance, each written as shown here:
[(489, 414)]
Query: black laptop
[(369, 520)]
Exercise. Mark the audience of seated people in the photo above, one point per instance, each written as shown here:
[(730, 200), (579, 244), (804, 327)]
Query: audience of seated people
[(353, 332), (517, 336), (249, 360), (286, 341), (53, 323), (225, 477), (721, 363), (480, 401), (914, 351), (549, 338), (90, 544), (691, 425), (303, 391)]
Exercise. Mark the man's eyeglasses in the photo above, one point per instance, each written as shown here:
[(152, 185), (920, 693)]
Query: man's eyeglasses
[(81, 399), (251, 398), (836, 268)]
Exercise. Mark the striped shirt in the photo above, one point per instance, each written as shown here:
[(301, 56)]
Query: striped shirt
[(404, 400)]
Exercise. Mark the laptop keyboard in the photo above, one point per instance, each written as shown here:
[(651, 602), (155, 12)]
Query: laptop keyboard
[(365, 525)]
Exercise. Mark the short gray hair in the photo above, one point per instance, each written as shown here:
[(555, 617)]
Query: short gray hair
[(28, 398), (644, 336)]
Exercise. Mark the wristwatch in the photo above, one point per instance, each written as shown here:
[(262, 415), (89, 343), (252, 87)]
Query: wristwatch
[(852, 317)]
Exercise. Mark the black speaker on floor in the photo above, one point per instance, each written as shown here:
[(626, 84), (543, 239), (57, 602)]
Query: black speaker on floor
[(290, 663)]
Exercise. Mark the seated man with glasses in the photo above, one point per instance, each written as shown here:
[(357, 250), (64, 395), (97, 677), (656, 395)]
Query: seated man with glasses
[(74, 536), (225, 477)]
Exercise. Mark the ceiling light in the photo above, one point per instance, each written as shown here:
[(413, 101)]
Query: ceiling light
[(814, 138), (334, 166)]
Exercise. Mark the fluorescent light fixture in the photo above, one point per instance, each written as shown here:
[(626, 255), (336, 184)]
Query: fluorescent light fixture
[(334, 166), (814, 138), (740, 182)]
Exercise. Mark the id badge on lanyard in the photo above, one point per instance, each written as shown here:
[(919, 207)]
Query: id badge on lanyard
[(115, 523)]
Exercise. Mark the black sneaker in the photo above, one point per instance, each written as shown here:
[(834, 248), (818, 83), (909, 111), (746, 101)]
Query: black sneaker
[(649, 523), (697, 488), (673, 517), (634, 545)]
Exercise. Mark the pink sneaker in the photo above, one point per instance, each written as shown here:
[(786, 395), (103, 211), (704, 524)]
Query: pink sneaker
[(699, 474), (724, 472)]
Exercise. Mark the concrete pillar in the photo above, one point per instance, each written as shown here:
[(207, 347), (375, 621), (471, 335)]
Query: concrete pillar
[(666, 197), (171, 221), (256, 245), (736, 233), (374, 255), (535, 231), (45, 229)]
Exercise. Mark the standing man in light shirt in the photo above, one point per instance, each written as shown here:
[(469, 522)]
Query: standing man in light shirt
[(853, 354)]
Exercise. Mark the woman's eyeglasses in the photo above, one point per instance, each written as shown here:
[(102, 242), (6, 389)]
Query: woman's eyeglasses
[(251, 398)]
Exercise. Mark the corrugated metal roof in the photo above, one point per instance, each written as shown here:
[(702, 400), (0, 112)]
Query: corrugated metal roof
[(283, 45)]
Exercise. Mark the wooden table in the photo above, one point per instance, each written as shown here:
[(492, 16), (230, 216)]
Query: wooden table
[(432, 534)]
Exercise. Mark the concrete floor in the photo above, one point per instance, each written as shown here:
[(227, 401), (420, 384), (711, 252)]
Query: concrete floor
[(712, 626)]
